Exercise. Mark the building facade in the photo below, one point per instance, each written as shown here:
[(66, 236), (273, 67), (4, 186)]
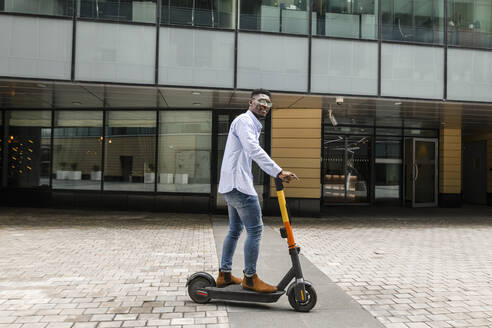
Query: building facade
[(126, 104)]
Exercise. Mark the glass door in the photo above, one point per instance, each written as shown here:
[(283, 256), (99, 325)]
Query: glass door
[(347, 169), (224, 119), (388, 170), (421, 172)]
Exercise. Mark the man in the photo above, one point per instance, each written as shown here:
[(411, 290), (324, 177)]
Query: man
[(236, 185)]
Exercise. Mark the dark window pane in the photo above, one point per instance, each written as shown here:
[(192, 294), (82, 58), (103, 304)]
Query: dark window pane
[(130, 151), (422, 133), (184, 151), (388, 169), (29, 148), (209, 13), (118, 10), (275, 16), (470, 23), (413, 20), (351, 19), (77, 155), (347, 169), (38, 7)]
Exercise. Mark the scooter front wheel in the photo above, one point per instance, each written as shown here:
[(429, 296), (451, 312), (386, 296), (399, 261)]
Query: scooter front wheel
[(310, 302), (195, 286)]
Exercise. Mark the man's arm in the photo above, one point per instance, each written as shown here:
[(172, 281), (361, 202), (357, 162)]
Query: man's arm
[(246, 135)]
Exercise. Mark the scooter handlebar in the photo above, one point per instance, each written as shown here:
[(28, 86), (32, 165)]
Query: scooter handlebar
[(279, 185)]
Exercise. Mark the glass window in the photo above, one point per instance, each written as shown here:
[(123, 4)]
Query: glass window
[(77, 148), (412, 71), (38, 7), (129, 159), (422, 133), (285, 16), (388, 132), (185, 146), (282, 63), (469, 74), (1, 148), (118, 10), (196, 57), (344, 66), (29, 148), (35, 47), (470, 23), (388, 169), (346, 19), (115, 52), (209, 13), (347, 168), (413, 20)]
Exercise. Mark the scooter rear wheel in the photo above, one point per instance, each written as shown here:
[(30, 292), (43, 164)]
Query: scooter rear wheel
[(306, 306), (193, 289)]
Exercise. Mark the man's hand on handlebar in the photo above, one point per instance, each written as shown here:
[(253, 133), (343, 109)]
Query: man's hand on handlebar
[(287, 176)]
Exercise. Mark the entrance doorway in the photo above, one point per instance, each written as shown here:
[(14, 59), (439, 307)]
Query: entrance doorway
[(475, 172), (223, 120), (421, 172)]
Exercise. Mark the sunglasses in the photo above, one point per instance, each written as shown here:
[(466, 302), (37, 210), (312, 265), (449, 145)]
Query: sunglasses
[(265, 102)]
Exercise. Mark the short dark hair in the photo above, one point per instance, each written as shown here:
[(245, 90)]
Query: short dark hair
[(260, 92)]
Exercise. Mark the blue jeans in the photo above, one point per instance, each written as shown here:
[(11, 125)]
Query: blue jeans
[(244, 210)]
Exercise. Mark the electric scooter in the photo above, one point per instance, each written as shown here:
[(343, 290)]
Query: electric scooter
[(301, 293)]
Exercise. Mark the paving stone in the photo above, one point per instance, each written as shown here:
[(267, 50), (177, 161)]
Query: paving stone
[(124, 317), (8, 319), (34, 325), (417, 325), (60, 325), (182, 321), (102, 317), (205, 320), (134, 323), (110, 324), (161, 322), (84, 325)]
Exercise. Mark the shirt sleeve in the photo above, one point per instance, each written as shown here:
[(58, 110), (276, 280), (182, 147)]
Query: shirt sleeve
[(245, 132)]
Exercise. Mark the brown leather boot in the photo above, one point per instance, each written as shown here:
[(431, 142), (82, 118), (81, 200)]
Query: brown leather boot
[(226, 278), (256, 284)]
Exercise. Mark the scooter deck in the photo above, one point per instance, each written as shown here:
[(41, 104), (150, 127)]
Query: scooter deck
[(237, 293)]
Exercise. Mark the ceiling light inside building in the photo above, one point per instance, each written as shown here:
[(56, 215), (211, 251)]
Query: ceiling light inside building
[(398, 103), (76, 103), (197, 104), (196, 93), (40, 85)]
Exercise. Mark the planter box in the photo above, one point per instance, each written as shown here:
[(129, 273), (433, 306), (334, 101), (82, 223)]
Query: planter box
[(61, 175), (96, 175), (149, 177), (166, 178), (181, 178), (74, 175)]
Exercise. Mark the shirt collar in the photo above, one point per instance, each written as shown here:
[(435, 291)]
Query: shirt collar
[(255, 120)]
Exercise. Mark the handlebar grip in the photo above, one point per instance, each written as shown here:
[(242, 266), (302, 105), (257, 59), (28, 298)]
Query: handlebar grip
[(279, 184)]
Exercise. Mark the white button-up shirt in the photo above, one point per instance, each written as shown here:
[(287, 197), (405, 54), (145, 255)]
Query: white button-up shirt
[(242, 146)]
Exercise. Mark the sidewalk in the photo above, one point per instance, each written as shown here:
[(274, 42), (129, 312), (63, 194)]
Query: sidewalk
[(334, 307)]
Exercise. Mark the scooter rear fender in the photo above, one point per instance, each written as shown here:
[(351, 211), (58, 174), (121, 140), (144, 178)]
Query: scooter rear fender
[(203, 275)]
